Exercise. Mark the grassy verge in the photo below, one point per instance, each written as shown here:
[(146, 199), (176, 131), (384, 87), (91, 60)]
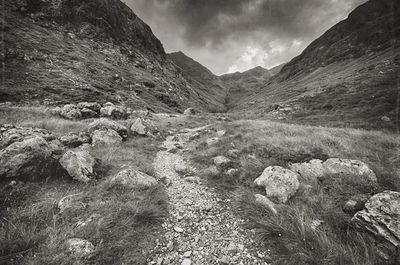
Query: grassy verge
[(312, 228)]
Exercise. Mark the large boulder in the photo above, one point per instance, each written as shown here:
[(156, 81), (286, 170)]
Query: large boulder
[(316, 169), (79, 164), (353, 168), (114, 112), (93, 106), (381, 216), (71, 112), (74, 140), (133, 178), (106, 124), (31, 159), (106, 138), (143, 127), (279, 183)]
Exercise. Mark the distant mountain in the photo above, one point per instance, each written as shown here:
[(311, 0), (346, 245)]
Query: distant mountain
[(59, 51), (348, 76)]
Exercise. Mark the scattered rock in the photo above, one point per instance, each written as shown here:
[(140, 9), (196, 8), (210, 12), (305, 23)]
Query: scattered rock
[(71, 112), (113, 112), (106, 124), (88, 113), (79, 164), (30, 158), (355, 203), (222, 162), (80, 247), (71, 202), (93, 106), (264, 201), (143, 127), (279, 183), (233, 172), (221, 133), (73, 140), (10, 134), (382, 216), (212, 141), (133, 178), (189, 112), (106, 138)]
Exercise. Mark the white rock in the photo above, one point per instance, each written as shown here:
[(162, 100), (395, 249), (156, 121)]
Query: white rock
[(279, 183), (80, 247)]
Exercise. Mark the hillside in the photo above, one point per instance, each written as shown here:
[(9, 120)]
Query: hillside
[(71, 51), (239, 83), (348, 76)]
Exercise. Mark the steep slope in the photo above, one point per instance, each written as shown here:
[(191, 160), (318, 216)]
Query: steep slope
[(59, 51), (201, 78), (348, 76), (239, 83)]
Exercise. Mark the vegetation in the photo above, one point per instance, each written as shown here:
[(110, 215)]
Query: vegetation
[(312, 228)]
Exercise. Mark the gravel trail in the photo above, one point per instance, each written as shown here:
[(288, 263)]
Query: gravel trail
[(201, 228)]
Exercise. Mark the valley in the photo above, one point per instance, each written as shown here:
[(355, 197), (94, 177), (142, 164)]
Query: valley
[(113, 151)]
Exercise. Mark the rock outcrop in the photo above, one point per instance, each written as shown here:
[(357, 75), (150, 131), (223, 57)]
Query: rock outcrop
[(381, 217)]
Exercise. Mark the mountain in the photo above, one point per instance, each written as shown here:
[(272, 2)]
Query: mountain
[(348, 76), (201, 78), (67, 51)]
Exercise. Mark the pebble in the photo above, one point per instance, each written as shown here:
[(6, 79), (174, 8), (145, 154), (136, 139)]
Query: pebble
[(186, 262)]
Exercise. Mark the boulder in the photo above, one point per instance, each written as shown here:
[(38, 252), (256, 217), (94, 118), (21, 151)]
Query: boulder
[(113, 112), (80, 248), (212, 141), (88, 113), (30, 158), (381, 217), (189, 112), (264, 201), (79, 164), (352, 168), (71, 112), (10, 134), (133, 178), (93, 106), (73, 140), (310, 171), (106, 138), (316, 169), (106, 124), (222, 162), (355, 203), (232, 172), (279, 183), (143, 127)]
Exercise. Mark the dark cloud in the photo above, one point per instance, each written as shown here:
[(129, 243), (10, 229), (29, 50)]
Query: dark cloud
[(239, 34)]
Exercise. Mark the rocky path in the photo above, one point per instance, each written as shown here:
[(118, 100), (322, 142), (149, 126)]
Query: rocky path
[(201, 228)]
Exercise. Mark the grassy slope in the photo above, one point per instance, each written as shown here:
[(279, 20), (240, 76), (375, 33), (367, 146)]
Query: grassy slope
[(354, 93), (289, 234)]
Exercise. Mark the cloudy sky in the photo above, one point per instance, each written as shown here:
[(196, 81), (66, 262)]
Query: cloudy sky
[(236, 35)]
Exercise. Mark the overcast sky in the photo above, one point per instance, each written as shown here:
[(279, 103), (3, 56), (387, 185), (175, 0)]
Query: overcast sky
[(236, 35)]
